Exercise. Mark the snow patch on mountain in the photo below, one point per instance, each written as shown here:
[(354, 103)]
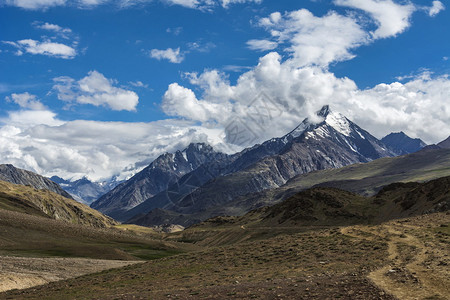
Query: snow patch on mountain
[(339, 122)]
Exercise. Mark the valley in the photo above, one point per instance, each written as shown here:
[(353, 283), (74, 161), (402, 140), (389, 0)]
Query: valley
[(400, 259)]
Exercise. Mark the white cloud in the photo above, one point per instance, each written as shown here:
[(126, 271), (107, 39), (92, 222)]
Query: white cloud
[(97, 90), (47, 48), (194, 4), (436, 8), (30, 118), (261, 45), (236, 68), (291, 91), (26, 100), (180, 101), (185, 3), (46, 4), (315, 40), (226, 3), (96, 149), (175, 31), (91, 3), (139, 84), (391, 18), (172, 55), (51, 27), (35, 4), (420, 107), (200, 47)]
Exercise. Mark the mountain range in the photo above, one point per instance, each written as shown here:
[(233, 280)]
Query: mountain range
[(209, 188), (197, 183), (84, 190)]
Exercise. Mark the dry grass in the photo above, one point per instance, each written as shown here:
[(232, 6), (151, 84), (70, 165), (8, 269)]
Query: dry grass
[(336, 263)]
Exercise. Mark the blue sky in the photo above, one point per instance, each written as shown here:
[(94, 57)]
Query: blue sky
[(101, 87)]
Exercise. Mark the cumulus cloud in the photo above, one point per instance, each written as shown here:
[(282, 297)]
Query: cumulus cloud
[(97, 149), (315, 40), (47, 48), (322, 40), (180, 101), (173, 55), (436, 8), (419, 107), (30, 118), (26, 100), (97, 90), (275, 96), (392, 18)]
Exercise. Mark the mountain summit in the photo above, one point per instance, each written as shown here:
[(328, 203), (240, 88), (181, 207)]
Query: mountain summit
[(402, 144)]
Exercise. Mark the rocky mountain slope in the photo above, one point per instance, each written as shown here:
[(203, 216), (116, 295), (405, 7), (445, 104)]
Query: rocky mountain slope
[(402, 144), (163, 171), (15, 175), (445, 143), (44, 203), (335, 142)]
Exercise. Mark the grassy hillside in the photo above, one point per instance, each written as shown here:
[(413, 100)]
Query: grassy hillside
[(41, 223), (46, 203), (36, 236)]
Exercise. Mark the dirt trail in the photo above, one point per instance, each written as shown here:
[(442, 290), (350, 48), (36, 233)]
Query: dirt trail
[(416, 268), (25, 272)]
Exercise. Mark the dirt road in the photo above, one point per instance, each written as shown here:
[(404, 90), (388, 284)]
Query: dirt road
[(418, 265)]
